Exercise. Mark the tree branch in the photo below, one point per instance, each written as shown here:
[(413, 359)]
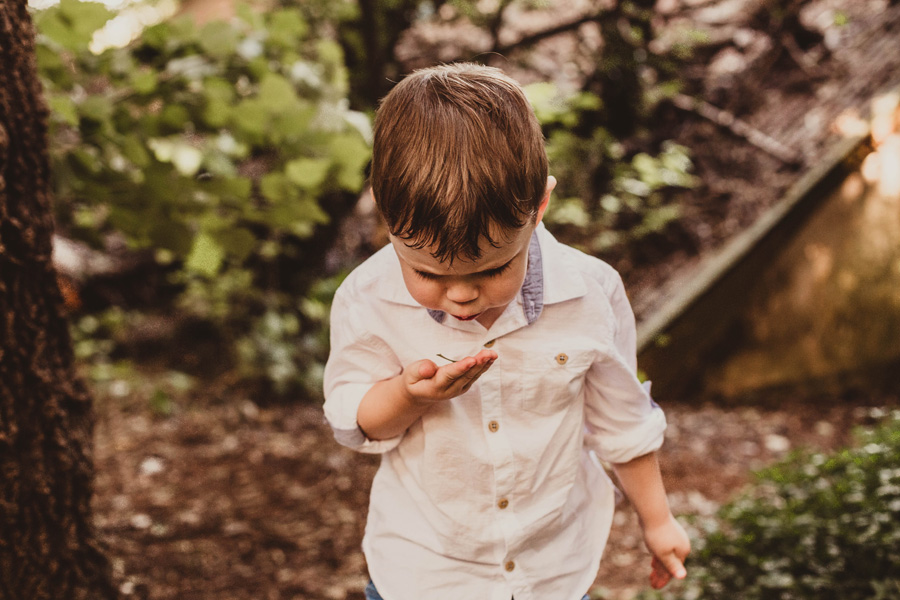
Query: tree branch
[(537, 36), (740, 128)]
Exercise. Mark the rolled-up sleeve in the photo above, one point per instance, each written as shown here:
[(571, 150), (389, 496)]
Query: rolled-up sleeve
[(357, 360), (622, 422)]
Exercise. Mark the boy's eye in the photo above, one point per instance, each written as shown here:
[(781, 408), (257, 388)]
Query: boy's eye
[(426, 275), (497, 271), (489, 273)]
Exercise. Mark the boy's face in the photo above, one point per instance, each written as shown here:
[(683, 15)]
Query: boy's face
[(471, 289)]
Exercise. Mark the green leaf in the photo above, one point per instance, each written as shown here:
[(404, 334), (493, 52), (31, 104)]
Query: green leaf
[(330, 54), (292, 124), (143, 81), (217, 88), (96, 108), (286, 28), (171, 235), (72, 23), (206, 256), (351, 154), (64, 109), (51, 66), (157, 36), (239, 242), (544, 99), (251, 118), (276, 187), (133, 148), (218, 39), (217, 113), (175, 117), (308, 173), (276, 93), (185, 158)]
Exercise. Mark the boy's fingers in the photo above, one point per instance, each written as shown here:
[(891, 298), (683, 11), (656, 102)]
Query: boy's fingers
[(448, 374), (485, 355), (659, 576), (473, 374)]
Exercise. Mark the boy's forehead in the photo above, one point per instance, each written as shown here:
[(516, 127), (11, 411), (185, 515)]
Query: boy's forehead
[(506, 245)]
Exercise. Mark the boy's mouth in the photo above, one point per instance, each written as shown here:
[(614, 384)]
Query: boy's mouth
[(468, 318)]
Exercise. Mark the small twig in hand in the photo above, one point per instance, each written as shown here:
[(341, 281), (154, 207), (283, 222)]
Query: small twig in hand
[(445, 358)]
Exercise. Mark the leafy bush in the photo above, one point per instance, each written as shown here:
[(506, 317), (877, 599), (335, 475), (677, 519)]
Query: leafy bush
[(605, 198), (227, 150), (816, 527)]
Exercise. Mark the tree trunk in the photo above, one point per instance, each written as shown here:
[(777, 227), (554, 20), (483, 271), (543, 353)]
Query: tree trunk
[(48, 548)]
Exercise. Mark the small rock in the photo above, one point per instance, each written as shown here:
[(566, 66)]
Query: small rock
[(230, 443), (777, 443), (824, 428), (151, 466), (236, 528), (249, 410), (623, 559), (141, 521)]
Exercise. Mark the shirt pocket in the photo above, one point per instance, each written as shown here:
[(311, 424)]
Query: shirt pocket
[(548, 381)]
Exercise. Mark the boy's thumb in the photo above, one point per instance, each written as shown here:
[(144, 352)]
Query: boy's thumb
[(423, 369), (675, 566)]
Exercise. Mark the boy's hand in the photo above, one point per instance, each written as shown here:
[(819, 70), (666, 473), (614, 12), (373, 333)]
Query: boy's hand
[(427, 383), (670, 546)]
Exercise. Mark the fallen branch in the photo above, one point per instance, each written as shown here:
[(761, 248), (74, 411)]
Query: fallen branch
[(740, 128), (536, 37)]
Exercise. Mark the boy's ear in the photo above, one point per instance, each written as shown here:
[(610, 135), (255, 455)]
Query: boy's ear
[(551, 183)]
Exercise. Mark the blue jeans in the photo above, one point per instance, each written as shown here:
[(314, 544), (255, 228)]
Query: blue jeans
[(372, 593)]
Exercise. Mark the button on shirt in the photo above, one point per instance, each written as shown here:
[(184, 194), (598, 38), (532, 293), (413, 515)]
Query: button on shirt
[(497, 492)]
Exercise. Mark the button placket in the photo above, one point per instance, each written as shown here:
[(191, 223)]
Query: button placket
[(500, 450)]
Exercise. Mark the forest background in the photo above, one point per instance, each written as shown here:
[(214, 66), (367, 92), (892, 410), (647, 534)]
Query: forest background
[(207, 183)]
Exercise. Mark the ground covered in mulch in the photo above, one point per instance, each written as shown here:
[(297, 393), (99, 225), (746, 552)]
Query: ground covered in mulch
[(228, 500), (223, 495)]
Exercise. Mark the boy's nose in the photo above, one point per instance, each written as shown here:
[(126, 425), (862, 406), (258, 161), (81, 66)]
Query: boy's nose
[(462, 293)]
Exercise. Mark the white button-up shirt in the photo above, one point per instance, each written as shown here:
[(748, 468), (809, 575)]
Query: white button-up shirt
[(497, 492)]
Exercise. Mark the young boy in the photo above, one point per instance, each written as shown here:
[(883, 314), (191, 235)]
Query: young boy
[(488, 364)]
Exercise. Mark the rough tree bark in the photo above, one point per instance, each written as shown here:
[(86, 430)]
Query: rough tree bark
[(48, 548)]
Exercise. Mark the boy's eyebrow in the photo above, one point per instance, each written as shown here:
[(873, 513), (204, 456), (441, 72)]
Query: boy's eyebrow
[(481, 272)]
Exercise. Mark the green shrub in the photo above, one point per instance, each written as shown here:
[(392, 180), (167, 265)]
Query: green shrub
[(226, 150), (816, 526), (605, 198)]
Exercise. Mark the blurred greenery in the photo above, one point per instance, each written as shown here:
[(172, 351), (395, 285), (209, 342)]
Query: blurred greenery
[(223, 149), (229, 155), (816, 526)]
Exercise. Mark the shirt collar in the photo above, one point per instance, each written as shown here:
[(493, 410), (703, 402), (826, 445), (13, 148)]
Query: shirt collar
[(549, 278)]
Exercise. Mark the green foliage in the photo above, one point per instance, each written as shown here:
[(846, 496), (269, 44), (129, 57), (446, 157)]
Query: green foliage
[(229, 148), (816, 527), (609, 198), (223, 147)]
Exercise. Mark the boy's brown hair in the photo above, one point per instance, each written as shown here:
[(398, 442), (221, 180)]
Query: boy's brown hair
[(459, 155)]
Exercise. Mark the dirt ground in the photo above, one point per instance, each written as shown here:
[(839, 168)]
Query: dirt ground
[(227, 500), (226, 497)]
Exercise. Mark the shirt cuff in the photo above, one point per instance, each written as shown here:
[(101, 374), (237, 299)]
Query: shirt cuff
[(644, 438), (340, 412)]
